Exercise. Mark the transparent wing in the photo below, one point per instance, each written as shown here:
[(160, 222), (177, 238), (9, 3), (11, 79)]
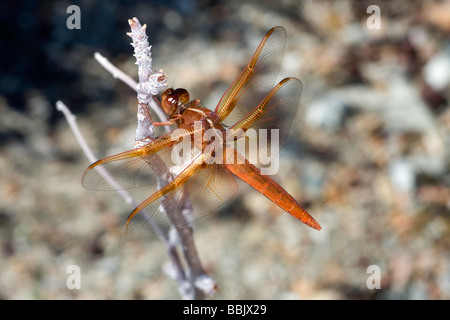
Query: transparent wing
[(267, 126), (127, 170), (140, 167), (255, 81), (203, 192)]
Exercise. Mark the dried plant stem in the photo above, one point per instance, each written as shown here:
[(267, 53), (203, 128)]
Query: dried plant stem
[(71, 120), (116, 72), (150, 83), (119, 74)]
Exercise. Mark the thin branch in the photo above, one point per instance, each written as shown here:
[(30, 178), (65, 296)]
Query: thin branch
[(116, 72), (150, 83), (71, 120), (119, 74)]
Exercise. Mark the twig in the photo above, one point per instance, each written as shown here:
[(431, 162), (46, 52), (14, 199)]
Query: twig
[(116, 72), (119, 74), (71, 120), (150, 83)]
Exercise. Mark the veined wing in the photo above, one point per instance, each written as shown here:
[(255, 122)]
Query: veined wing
[(274, 115), (135, 168), (197, 191), (255, 81)]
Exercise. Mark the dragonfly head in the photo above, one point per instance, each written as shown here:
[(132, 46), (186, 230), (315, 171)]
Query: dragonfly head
[(172, 99)]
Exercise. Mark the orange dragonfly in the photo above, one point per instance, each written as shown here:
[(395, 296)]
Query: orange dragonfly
[(199, 186)]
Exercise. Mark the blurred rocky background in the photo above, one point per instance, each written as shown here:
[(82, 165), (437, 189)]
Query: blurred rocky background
[(368, 154)]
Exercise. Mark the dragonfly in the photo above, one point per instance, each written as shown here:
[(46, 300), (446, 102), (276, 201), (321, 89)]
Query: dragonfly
[(186, 190)]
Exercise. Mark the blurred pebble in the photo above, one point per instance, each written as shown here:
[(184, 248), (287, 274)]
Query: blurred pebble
[(402, 175), (326, 113), (443, 282), (418, 291), (437, 70)]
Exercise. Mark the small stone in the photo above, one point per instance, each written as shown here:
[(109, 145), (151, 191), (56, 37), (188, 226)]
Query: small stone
[(437, 71)]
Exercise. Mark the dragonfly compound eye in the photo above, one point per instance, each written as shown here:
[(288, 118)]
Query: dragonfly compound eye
[(183, 95), (169, 101)]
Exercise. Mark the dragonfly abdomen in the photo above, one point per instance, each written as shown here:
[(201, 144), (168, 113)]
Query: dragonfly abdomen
[(273, 191)]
